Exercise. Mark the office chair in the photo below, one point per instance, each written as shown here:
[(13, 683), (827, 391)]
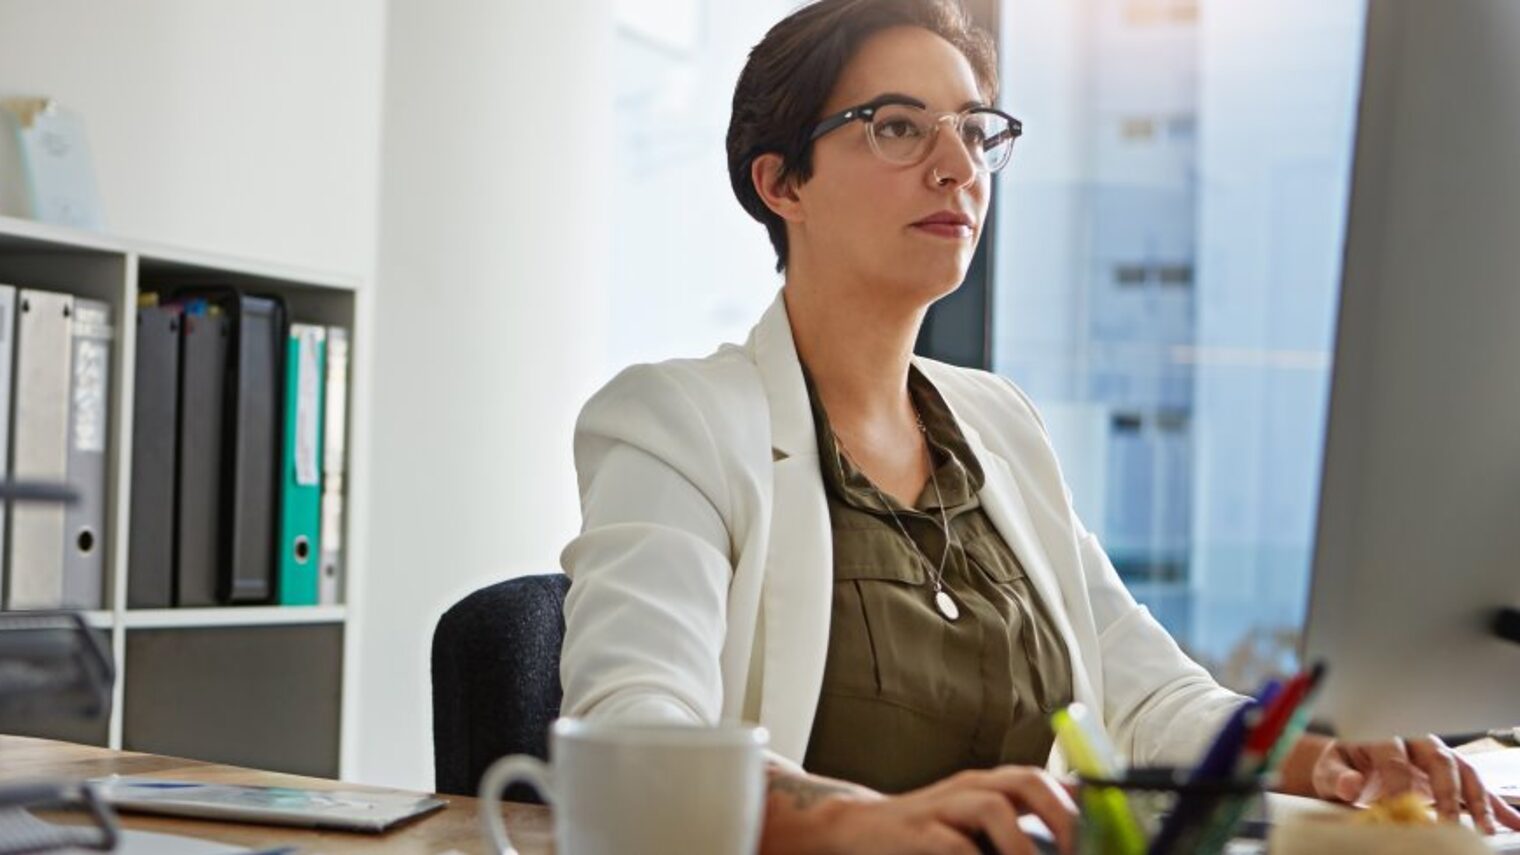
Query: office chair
[(496, 682)]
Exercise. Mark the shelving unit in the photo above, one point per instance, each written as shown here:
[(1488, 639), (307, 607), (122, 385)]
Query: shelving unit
[(274, 694)]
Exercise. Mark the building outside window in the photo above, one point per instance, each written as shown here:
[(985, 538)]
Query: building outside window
[(1166, 274)]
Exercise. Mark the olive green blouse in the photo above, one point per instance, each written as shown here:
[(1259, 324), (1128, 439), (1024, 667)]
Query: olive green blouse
[(908, 696)]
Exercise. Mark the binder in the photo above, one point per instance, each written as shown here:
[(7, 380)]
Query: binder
[(7, 351), (301, 489), (204, 334), (236, 475), (84, 535), (334, 447), (155, 439), (251, 499), (39, 447)]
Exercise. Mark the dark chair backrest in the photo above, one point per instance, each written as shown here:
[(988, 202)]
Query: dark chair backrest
[(496, 683)]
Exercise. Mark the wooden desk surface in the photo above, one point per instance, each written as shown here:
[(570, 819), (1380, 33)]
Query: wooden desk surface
[(453, 829)]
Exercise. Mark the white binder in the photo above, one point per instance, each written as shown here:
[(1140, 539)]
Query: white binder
[(335, 421), (39, 447), (7, 352), (84, 536)]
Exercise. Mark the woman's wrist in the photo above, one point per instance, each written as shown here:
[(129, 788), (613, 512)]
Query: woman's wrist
[(802, 812)]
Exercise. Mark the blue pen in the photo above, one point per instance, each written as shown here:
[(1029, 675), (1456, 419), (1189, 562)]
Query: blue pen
[(1268, 692), (1218, 762)]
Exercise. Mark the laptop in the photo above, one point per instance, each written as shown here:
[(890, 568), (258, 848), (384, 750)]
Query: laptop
[(371, 811)]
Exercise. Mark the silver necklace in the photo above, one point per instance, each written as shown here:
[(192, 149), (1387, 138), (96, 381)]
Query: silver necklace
[(942, 599)]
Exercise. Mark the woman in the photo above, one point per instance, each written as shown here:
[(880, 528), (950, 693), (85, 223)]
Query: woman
[(870, 553)]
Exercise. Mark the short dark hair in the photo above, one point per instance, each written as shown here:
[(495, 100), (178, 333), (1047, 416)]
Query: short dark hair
[(791, 73)]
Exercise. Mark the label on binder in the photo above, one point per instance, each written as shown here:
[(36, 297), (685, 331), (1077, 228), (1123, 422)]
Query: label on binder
[(308, 474)]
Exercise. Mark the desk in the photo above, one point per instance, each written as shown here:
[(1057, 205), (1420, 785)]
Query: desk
[(452, 829)]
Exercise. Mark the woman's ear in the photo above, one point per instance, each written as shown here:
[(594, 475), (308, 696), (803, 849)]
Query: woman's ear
[(776, 190)]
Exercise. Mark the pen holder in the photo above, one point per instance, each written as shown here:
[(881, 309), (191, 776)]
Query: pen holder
[(1159, 811)]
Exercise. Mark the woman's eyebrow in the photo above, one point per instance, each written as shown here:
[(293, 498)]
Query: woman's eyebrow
[(896, 98), (900, 98)]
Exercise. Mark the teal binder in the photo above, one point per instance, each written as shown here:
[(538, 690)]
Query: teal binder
[(301, 493)]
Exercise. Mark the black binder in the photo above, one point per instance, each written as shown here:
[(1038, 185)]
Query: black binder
[(230, 469), (198, 499), (155, 435), (255, 421)]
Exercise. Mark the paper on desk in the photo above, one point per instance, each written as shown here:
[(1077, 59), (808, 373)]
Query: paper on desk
[(1500, 771)]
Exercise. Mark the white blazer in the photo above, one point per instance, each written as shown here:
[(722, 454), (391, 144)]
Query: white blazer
[(702, 577)]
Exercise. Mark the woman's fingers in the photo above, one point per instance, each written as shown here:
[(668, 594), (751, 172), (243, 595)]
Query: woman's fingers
[(944, 840), (1388, 761), (1426, 766), (1034, 791), (1335, 777), (986, 811), (1503, 812), (1439, 764), (1475, 796)]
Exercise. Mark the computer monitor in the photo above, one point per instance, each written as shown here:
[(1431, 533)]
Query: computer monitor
[(1418, 543)]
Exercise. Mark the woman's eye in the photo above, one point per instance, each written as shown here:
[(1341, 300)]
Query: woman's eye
[(973, 136), (897, 128)]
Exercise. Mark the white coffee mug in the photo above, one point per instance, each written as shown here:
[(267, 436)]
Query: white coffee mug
[(620, 789)]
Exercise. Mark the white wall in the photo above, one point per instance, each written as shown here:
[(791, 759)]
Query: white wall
[(255, 127), (490, 323), (247, 127), (1271, 224)]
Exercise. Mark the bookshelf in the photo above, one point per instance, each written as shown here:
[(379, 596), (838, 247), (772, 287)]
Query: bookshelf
[(263, 686)]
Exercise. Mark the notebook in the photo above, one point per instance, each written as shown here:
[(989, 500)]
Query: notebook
[(352, 810)]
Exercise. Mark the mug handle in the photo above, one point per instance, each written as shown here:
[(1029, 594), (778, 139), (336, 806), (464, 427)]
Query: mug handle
[(508, 770)]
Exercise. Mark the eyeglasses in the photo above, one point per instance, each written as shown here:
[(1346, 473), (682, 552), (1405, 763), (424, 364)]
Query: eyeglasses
[(901, 130)]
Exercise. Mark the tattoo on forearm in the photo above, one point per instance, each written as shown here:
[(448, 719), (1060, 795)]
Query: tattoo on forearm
[(805, 793)]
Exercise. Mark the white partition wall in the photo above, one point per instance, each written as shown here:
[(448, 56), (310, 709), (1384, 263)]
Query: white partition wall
[(490, 325)]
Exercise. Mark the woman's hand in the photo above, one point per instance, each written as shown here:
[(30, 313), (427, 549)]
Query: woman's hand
[(944, 818), (1367, 771)]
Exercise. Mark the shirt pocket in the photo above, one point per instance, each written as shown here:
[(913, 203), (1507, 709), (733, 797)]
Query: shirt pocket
[(992, 555), (870, 578), (917, 659), (1040, 658)]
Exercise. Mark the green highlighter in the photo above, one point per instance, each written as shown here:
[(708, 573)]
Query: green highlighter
[(301, 466), (1118, 830)]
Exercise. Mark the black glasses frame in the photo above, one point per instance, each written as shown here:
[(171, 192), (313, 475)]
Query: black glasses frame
[(867, 111)]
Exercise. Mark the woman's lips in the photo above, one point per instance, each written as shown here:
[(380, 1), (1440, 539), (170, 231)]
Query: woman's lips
[(954, 231), (948, 223)]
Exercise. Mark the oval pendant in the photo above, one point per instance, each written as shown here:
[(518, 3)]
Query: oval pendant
[(947, 606)]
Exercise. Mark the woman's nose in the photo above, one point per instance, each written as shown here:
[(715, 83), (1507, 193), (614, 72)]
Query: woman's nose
[(950, 161)]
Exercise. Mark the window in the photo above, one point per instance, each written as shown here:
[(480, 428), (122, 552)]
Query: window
[(1130, 274), (1170, 308), (1141, 13), (1137, 129), (1181, 128), (689, 267), (1175, 274)]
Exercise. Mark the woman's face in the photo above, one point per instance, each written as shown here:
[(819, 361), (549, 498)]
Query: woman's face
[(864, 214)]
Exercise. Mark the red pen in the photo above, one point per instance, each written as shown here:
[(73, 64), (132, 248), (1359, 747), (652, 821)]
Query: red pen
[(1264, 736)]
